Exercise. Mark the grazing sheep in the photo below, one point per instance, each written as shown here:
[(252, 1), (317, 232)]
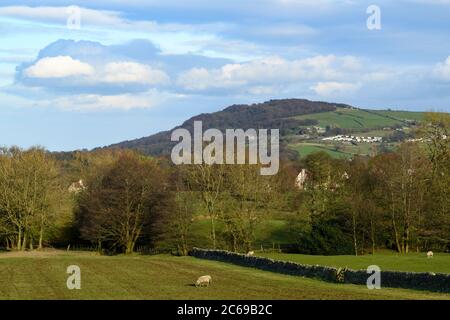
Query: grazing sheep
[(250, 253), (203, 281), (430, 254)]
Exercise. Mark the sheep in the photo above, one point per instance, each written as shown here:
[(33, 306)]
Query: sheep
[(430, 254), (250, 253), (203, 281)]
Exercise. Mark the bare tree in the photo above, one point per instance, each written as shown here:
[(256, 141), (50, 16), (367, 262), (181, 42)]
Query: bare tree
[(118, 207), (208, 180), (28, 185)]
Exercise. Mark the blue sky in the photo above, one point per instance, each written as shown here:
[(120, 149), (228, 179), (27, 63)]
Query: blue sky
[(137, 67)]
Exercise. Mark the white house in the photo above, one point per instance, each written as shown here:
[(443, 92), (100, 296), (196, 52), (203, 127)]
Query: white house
[(346, 138)]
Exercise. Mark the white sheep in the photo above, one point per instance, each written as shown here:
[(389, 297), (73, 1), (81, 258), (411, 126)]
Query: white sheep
[(430, 254), (203, 281), (250, 253)]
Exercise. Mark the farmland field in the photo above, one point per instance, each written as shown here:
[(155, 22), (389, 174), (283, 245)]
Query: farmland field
[(268, 233), (305, 149), (359, 119), (43, 276), (402, 115), (415, 262)]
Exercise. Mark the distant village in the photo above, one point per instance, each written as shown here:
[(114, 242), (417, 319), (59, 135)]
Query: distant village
[(346, 138)]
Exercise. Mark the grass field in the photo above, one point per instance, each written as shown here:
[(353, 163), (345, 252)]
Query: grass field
[(305, 149), (267, 233), (347, 150), (358, 119), (416, 262), (43, 276), (402, 115)]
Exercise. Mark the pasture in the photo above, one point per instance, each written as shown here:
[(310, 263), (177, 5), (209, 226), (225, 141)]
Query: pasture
[(386, 260), (43, 276), (305, 149), (361, 119)]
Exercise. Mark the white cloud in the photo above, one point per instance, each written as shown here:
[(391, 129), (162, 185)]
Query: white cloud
[(442, 70), (103, 18), (61, 14), (269, 71), (97, 102), (132, 72), (335, 88), (59, 67), (121, 72)]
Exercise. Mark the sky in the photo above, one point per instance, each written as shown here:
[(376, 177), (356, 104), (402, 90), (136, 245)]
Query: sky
[(84, 74)]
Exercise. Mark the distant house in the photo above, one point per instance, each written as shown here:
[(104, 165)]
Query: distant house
[(353, 139)]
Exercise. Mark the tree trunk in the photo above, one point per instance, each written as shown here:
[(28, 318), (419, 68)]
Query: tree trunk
[(372, 236), (24, 243), (41, 236), (355, 244), (130, 247), (213, 231), (19, 239), (394, 227)]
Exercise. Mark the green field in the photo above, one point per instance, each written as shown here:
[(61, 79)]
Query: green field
[(267, 233), (43, 276), (402, 115), (416, 262), (366, 123), (361, 119), (305, 149)]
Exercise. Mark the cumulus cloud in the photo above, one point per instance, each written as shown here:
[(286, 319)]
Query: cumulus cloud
[(59, 67), (65, 72), (90, 76), (272, 70), (132, 72), (85, 67), (68, 66)]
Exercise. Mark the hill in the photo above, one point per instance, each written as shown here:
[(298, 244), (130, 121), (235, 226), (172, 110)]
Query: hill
[(271, 114), (291, 116)]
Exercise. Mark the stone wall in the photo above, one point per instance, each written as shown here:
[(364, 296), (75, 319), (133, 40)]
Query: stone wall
[(438, 282)]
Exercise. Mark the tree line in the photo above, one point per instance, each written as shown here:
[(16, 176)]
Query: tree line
[(395, 200)]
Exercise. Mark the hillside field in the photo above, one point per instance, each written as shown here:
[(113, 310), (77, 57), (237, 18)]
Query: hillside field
[(347, 118), (43, 276), (363, 123)]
